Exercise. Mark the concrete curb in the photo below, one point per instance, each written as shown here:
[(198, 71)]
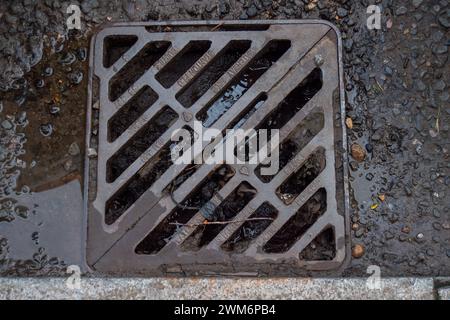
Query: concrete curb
[(444, 293), (215, 288)]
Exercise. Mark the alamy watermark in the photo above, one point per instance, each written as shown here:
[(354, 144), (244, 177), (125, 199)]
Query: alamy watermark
[(74, 19), (374, 18), (238, 146)]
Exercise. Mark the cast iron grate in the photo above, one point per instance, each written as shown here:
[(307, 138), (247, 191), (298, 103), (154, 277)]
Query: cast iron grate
[(146, 215)]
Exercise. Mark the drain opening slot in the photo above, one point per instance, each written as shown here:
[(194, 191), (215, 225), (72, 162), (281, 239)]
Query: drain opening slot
[(226, 211), (298, 181), (322, 248), (303, 134), (137, 185), (140, 142), (115, 46), (294, 101), (212, 72), (270, 54), (136, 67), (173, 70), (298, 224), (130, 112), (166, 229), (250, 230), (249, 111)]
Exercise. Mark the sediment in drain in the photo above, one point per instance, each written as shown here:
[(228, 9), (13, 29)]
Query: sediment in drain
[(298, 224), (226, 211), (182, 62), (306, 174), (303, 134), (323, 247), (212, 72), (136, 67), (130, 112), (251, 229), (294, 101), (115, 46), (137, 185), (140, 142), (167, 228)]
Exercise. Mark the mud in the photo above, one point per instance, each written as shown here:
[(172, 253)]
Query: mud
[(397, 92)]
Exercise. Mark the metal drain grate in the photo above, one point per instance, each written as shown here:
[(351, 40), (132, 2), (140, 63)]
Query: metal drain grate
[(146, 215)]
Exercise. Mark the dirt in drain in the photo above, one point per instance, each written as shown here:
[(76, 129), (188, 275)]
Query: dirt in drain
[(300, 180), (136, 67), (166, 229), (130, 112), (294, 101), (289, 148), (212, 72), (323, 247), (251, 229), (298, 224), (140, 142), (225, 212)]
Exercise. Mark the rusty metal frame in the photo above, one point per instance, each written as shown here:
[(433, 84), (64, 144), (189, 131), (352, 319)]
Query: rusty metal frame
[(110, 248)]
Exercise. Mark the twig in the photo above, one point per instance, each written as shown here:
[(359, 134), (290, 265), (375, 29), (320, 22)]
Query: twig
[(438, 118), (206, 222), (217, 26)]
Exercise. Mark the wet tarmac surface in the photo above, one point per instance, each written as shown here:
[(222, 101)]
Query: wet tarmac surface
[(397, 87)]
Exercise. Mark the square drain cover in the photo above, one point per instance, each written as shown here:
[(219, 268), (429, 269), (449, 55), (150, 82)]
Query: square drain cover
[(147, 215)]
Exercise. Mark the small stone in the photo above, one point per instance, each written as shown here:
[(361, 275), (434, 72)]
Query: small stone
[(359, 233), (74, 149), (417, 3), (46, 129), (349, 122), (81, 54), (439, 49), (68, 165), (342, 12), (358, 152), (48, 71), (92, 153), (353, 165), (437, 226), (420, 85), (406, 229), (75, 77), (318, 60), (444, 18), (187, 116), (54, 110), (39, 83), (68, 59), (252, 11), (358, 251), (436, 213), (243, 16), (401, 11), (388, 235), (7, 125), (244, 170)]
